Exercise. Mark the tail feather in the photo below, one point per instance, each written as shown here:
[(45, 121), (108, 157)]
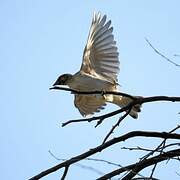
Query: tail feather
[(124, 101)]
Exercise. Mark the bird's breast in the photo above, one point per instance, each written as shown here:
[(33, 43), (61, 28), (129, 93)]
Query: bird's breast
[(83, 82)]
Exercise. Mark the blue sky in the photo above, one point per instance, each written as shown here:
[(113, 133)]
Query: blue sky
[(39, 40)]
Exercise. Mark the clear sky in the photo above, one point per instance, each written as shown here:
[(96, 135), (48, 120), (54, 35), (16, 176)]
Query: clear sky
[(39, 40)]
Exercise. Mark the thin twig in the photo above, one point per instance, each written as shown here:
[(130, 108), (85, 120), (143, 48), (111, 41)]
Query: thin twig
[(117, 124), (176, 55), (153, 169), (163, 56), (81, 165), (104, 161), (89, 159), (139, 149), (65, 172), (161, 151), (172, 144), (89, 167)]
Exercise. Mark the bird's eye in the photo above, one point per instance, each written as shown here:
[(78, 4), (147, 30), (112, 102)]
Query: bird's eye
[(62, 78)]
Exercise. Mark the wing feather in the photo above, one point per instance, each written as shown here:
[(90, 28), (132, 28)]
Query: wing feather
[(101, 53), (88, 105)]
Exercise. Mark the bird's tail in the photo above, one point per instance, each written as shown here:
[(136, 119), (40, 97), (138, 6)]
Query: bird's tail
[(124, 101)]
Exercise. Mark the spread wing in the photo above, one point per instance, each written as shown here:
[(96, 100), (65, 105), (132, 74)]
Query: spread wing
[(88, 105), (100, 54)]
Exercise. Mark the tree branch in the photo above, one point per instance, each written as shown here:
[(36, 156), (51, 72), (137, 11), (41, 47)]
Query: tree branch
[(160, 145), (163, 135), (92, 92), (65, 172), (117, 124), (137, 167), (136, 100), (96, 118)]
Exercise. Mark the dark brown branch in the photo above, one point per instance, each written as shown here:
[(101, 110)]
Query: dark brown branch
[(161, 149), (92, 92), (96, 118), (151, 161), (117, 124), (140, 100), (65, 172), (137, 167), (136, 100), (109, 143), (160, 145), (153, 170), (163, 56)]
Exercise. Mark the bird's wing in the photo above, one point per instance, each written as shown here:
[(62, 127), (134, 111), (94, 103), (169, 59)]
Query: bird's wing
[(88, 105), (101, 54)]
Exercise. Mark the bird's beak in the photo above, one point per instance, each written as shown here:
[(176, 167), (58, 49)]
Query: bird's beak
[(52, 88), (56, 83)]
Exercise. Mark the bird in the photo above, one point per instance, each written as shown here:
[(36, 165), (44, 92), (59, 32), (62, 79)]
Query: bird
[(98, 72)]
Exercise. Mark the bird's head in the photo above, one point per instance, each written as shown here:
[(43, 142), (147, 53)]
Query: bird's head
[(63, 79)]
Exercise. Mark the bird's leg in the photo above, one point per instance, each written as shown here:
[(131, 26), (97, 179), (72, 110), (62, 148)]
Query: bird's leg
[(103, 93)]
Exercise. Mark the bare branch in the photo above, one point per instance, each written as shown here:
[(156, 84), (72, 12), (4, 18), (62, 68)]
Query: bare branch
[(163, 56), (150, 161), (104, 161), (138, 148), (98, 118), (153, 169), (160, 145), (163, 135), (137, 167), (140, 100), (92, 92), (65, 172), (117, 124)]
